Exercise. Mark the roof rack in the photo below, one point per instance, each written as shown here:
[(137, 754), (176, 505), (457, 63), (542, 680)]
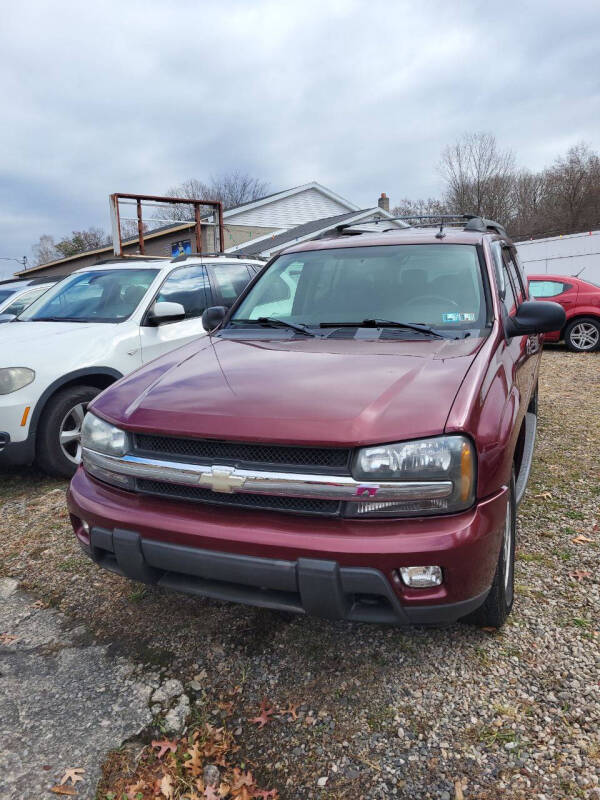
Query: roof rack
[(468, 222), (184, 256)]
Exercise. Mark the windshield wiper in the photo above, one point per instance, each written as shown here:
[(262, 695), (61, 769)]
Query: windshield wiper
[(59, 319), (273, 322), (384, 323)]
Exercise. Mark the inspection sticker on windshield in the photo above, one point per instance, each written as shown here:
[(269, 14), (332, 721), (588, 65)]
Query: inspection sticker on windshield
[(458, 316)]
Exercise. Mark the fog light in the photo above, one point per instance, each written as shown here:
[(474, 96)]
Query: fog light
[(421, 577)]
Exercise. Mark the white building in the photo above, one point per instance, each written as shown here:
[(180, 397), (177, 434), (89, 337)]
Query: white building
[(575, 254)]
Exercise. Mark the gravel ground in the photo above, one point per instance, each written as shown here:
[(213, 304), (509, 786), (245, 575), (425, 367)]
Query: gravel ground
[(383, 712)]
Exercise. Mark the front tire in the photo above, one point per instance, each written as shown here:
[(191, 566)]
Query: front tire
[(583, 335), (58, 448), (499, 602)]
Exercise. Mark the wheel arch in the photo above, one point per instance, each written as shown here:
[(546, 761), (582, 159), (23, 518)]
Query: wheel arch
[(101, 377), (593, 313)]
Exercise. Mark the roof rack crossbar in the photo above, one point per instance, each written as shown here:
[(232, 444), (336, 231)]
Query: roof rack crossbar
[(183, 256), (469, 222)]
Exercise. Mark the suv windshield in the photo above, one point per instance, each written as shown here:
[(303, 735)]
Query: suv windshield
[(6, 293), (95, 296), (434, 285)]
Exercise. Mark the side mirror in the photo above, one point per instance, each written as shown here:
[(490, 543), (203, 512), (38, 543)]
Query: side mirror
[(534, 316), (165, 312), (213, 316)]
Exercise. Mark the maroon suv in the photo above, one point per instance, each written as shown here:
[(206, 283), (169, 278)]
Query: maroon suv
[(351, 441)]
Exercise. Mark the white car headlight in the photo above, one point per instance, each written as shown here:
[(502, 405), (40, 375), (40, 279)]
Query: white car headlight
[(14, 378), (442, 458), (101, 436)]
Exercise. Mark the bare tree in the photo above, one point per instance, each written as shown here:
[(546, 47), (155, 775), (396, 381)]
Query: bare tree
[(529, 197), (45, 250), (479, 177), (232, 189), (572, 191), (416, 208)]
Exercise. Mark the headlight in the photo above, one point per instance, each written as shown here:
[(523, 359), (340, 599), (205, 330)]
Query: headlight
[(96, 434), (14, 378), (100, 437), (443, 458)]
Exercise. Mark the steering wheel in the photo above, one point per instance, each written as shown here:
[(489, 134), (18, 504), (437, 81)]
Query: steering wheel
[(446, 301)]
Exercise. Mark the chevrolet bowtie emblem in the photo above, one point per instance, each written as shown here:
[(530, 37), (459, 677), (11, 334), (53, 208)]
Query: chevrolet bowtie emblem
[(222, 479)]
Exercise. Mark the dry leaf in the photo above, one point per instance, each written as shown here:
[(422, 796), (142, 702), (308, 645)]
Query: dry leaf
[(166, 786), (210, 794), (241, 779), (540, 496), (64, 790), (581, 539), (135, 789), (226, 706), (458, 792), (291, 710), (163, 746), (194, 762), (271, 794), (264, 715), (244, 794), (580, 575), (7, 638), (74, 775)]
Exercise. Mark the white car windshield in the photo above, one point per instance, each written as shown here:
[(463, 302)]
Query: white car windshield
[(435, 285), (6, 293), (94, 296)]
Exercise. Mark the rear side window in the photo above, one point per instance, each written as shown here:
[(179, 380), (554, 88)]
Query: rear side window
[(230, 280), (547, 288), (188, 286)]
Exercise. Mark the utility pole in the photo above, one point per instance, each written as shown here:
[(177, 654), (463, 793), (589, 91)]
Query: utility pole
[(21, 261)]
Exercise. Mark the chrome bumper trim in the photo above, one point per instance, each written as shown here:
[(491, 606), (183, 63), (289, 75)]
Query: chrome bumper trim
[(228, 480)]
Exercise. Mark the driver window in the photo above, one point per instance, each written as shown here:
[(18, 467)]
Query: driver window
[(189, 287)]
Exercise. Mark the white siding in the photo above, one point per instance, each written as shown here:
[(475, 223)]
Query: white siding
[(290, 211), (563, 255)]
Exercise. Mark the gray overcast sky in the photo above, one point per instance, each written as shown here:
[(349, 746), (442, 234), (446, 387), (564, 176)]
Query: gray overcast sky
[(361, 96)]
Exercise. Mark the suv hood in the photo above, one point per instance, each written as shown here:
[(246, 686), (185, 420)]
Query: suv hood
[(32, 344), (344, 392)]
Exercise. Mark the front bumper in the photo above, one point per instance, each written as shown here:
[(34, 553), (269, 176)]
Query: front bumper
[(333, 568), (15, 453)]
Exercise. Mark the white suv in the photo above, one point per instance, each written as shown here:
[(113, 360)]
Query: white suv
[(93, 327)]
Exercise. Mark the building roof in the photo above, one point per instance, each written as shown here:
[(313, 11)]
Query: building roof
[(270, 198), (278, 241)]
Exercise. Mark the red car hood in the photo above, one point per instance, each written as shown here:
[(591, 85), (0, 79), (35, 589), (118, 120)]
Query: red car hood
[(305, 391)]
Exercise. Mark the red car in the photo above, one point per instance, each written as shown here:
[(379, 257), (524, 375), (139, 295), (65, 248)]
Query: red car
[(581, 302), (351, 441)]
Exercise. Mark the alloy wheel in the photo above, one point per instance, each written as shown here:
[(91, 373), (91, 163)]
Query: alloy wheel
[(69, 434), (584, 336)]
